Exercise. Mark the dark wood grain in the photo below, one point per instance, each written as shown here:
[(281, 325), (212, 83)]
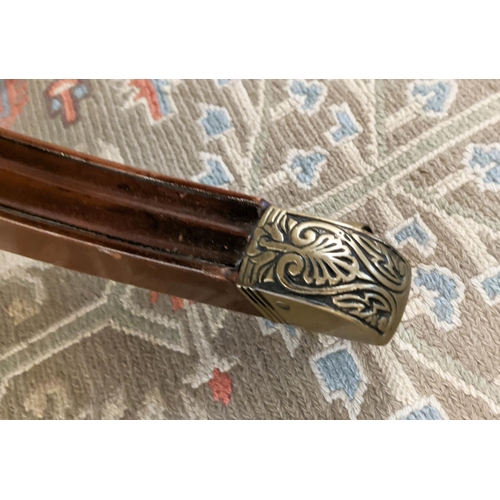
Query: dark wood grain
[(120, 223)]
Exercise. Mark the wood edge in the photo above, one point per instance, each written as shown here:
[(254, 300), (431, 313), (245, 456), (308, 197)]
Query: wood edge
[(211, 285)]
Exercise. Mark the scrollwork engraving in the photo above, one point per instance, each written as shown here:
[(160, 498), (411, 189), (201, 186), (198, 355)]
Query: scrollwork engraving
[(328, 263)]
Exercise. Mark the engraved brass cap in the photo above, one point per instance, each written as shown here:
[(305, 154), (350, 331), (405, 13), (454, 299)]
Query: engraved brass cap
[(325, 276)]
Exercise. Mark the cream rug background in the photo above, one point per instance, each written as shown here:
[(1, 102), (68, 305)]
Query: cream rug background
[(418, 160)]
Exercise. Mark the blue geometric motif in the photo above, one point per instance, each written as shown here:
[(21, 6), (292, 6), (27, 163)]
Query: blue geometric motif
[(290, 330), (162, 96), (222, 82), (340, 372), (426, 413), (446, 288), (55, 104), (347, 127), (290, 335), (218, 175), (5, 100), (311, 93), (492, 286), (81, 91), (216, 121), (414, 231), (437, 95), (304, 168), (480, 159)]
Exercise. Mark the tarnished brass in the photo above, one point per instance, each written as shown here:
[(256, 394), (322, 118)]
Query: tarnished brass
[(325, 276)]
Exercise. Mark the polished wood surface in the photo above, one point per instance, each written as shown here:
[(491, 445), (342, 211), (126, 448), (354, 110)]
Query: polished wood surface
[(120, 223)]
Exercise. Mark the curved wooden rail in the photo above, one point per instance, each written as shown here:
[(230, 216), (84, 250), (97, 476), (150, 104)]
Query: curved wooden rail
[(98, 217)]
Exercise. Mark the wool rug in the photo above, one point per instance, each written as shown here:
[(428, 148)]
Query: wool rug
[(417, 160)]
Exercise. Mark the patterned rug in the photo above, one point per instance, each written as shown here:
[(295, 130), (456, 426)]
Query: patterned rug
[(418, 160)]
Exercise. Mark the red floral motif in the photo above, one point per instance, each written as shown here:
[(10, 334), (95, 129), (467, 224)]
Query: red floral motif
[(177, 302), (222, 386), (63, 97), (147, 91), (153, 297), (13, 97)]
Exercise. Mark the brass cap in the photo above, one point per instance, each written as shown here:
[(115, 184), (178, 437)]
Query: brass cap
[(325, 276)]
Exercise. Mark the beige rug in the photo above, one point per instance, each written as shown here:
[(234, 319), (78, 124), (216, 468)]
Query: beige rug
[(418, 160)]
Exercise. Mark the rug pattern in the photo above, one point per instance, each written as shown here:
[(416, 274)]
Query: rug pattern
[(418, 160)]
